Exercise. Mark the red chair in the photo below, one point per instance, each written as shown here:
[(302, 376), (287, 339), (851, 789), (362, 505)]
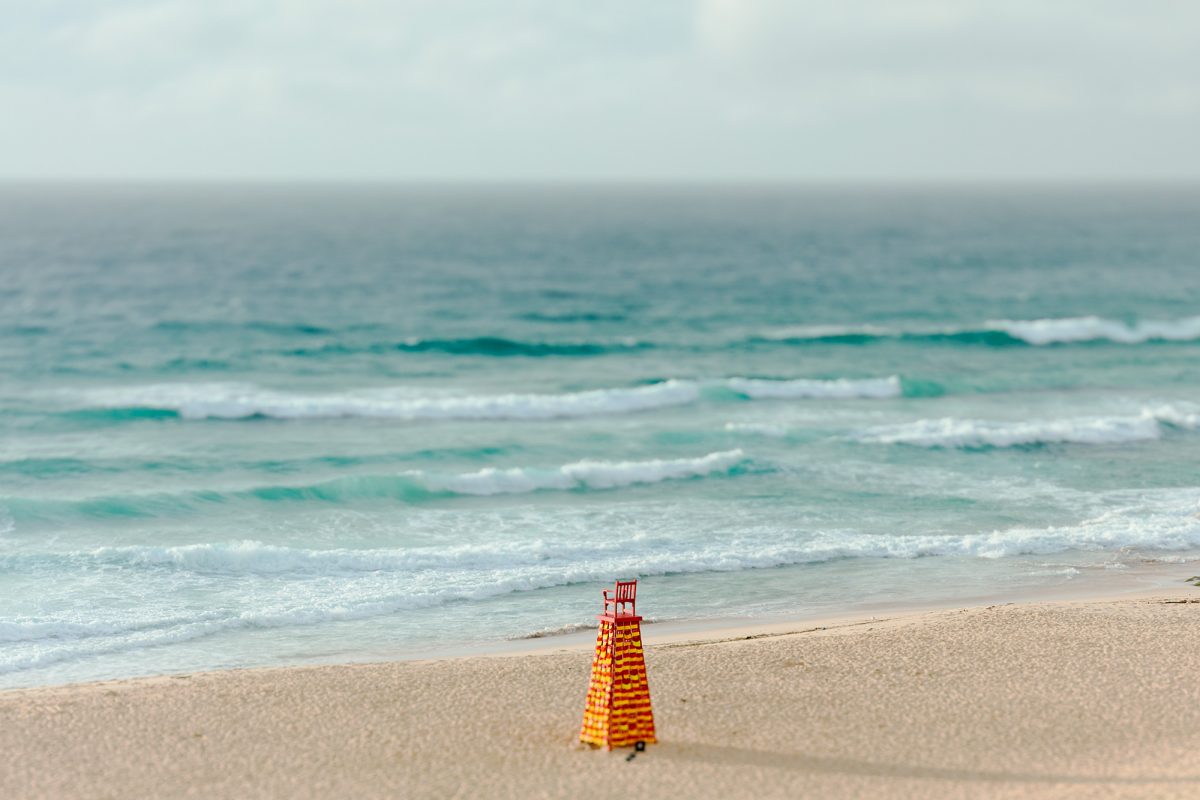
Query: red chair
[(621, 603)]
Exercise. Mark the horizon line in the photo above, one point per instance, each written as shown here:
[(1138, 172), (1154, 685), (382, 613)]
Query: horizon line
[(581, 182)]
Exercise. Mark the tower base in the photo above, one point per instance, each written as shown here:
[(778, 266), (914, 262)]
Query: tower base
[(618, 712)]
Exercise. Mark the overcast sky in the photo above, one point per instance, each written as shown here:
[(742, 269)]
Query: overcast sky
[(600, 89)]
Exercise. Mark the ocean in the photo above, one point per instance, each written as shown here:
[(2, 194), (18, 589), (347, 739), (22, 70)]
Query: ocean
[(247, 425)]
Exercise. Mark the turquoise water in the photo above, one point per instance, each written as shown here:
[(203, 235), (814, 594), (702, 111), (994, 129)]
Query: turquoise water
[(245, 425)]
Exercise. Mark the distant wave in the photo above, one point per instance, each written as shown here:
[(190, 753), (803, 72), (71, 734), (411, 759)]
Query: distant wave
[(756, 428), (829, 333), (496, 346), (973, 433), (1089, 329), (1000, 333), (24, 330), (412, 486), (840, 389), (259, 326), (1043, 331), (55, 468), (870, 334), (242, 401), (575, 316), (499, 346), (582, 475)]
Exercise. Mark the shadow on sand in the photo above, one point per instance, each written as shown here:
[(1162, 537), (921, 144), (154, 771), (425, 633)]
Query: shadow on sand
[(797, 762)]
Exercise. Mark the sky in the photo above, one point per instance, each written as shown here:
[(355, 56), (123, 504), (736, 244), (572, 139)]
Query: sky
[(597, 90)]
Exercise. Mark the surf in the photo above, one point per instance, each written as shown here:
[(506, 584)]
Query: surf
[(409, 487), (951, 432), (998, 332)]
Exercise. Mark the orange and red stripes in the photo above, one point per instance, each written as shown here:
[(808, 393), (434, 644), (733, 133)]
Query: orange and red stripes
[(618, 713)]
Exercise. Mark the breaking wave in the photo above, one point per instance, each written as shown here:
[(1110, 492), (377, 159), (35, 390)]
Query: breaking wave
[(195, 401), (757, 429), (974, 433), (840, 389), (1090, 329), (1001, 333), (582, 475), (242, 401), (412, 486)]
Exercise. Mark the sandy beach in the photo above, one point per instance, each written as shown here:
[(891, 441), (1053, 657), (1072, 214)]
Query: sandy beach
[(1095, 698)]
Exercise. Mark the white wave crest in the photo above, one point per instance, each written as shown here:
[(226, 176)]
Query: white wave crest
[(1089, 329), (757, 428), (1040, 332), (841, 389), (801, 332), (1173, 416), (971, 433), (239, 401), (580, 475)]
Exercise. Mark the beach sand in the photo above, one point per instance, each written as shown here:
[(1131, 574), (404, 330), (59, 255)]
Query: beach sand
[(1081, 699)]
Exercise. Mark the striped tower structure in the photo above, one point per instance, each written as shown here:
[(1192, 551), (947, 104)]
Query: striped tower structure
[(618, 712)]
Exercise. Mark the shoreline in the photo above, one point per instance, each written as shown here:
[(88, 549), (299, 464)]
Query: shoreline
[(1142, 579), (1053, 698)]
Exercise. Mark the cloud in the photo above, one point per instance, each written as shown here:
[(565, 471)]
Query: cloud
[(1015, 56), (541, 89)]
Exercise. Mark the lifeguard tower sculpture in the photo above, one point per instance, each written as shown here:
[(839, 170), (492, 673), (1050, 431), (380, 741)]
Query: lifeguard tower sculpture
[(618, 712)]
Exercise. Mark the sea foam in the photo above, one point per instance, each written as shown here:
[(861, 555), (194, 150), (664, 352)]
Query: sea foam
[(975, 433), (239, 401), (840, 389), (1157, 520), (1088, 329), (365, 584), (581, 475), (757, 428), (1001, 332)]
